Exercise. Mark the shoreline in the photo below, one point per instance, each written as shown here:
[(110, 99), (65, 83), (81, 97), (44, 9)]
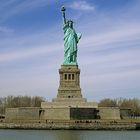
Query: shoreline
[(71, 126)]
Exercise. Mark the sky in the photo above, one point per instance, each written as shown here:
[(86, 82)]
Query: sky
[(31, 47)]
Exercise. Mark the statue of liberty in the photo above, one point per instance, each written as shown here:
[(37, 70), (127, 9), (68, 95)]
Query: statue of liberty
[(71, 40)]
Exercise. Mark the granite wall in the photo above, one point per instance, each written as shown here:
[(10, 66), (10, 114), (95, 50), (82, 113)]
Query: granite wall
[(83, 113), (64, 113), (22, 113), (112, 113)]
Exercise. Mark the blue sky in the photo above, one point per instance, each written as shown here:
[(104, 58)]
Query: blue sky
[(31, 47)]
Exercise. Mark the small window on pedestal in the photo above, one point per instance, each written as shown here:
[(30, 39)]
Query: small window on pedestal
[(65, 76), (69, 76), (72, 76)]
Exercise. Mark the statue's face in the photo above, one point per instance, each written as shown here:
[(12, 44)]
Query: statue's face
[(71, 24)]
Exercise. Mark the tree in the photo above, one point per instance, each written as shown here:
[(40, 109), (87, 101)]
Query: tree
[(19, 101), (107, 103), (134, 104)]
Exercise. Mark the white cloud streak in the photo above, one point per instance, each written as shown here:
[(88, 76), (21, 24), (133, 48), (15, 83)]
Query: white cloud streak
[(15, 7), (124, 33), (5, 30), (82, 6), (25, 54)]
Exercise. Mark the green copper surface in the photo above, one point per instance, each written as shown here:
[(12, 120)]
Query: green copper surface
[(71, 39)]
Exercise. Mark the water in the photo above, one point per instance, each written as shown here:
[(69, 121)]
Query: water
[(68, 135)]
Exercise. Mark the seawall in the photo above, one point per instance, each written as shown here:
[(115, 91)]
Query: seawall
[(70, 126)]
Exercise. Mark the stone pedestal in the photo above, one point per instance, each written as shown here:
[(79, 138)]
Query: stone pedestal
[(69, 85), (69, 91)]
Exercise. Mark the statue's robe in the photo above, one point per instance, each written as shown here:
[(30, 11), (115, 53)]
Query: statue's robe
[(70, 44)]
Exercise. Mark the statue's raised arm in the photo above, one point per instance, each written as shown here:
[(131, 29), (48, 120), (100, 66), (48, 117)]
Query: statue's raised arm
[(63, 14)]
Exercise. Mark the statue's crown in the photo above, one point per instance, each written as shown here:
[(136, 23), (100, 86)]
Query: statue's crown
[(70, 21)]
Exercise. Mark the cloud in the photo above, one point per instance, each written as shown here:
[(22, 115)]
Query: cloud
[(15, 7), (27, 53), (5, 30), (22, 47), (113, 37), (82, 5)]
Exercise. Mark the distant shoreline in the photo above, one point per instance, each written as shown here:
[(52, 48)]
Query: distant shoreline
[(71, 126)]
